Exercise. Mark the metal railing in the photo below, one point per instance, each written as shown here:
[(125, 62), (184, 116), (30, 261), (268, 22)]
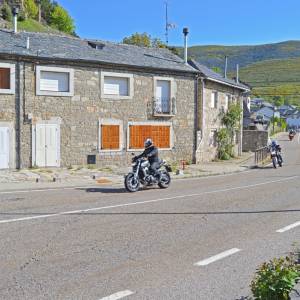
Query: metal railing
[(164, 107), (260, 155)]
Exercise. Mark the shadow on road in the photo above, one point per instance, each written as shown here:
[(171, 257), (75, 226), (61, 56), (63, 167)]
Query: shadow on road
[(104, 190)]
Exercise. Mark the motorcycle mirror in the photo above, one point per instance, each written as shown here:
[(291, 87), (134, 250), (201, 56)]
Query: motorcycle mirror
[(132, 154)]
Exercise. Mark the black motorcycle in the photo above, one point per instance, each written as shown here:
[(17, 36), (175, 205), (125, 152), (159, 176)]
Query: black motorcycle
[(276, 156), (141, 175)]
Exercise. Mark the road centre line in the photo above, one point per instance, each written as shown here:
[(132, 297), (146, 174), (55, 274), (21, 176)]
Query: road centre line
[(118, 295), (82, 211), (217, 257), (289, 227)]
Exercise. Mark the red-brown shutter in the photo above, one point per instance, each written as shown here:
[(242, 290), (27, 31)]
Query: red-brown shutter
[(139, 133), (5, 78), (110, 137)]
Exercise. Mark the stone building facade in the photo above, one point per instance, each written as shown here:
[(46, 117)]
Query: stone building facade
[(215, 94), (73, 122)]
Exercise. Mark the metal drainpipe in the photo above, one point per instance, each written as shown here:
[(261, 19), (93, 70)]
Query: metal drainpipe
[(196, 120), (203, 107)]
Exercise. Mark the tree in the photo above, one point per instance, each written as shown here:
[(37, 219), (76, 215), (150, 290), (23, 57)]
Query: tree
[(217, 70), (139, 39), (6, 12), (278, 100), (31, 9), (61, 20), (47, 7)]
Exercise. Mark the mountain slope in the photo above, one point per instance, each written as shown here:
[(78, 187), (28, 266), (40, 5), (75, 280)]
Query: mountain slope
[(213, 56), (279, 77)]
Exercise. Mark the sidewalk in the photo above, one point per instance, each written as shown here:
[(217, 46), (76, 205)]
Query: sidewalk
[(63, 177)]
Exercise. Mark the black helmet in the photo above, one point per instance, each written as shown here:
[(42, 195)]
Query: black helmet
[(148, 143)]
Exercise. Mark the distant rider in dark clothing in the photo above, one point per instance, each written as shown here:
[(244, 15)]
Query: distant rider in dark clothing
[(151, 153)]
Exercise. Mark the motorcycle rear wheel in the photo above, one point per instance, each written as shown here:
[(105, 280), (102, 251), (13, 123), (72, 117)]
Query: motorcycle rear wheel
[(165, 180), (131, 183)]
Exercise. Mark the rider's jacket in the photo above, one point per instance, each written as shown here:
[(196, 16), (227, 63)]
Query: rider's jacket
[(151, 153)]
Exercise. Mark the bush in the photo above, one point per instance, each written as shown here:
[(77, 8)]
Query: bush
[(224, 145), (22, 16), (6, 12), (31, 9), (275, 279), (61, 20)]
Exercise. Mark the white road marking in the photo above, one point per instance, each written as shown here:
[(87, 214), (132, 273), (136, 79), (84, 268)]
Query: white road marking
[(219, 256), (118, 295), (146, 201), (289, 227)]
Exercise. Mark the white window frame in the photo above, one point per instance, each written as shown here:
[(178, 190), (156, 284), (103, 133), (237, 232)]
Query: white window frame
[(151, 124), (172, 90), (12, 88), (117, 75), (40, 69), (215, 104), (211, 143), (121, 134)]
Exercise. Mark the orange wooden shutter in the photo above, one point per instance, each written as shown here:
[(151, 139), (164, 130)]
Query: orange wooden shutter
[(4, 78), (110, 137), (139, 133)]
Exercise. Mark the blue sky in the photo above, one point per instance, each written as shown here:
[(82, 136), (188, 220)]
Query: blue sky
[(227, 22)]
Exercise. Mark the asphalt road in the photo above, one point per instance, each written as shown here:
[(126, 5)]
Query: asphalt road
[(200, 239)]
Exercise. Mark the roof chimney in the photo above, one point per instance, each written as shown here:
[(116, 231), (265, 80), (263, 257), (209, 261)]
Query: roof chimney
[(226, 65), (27, 43), (237, 73), (185, 33), (15, 12)]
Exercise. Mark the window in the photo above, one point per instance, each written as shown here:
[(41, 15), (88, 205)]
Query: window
[(110, 135), (52, 81), (164, 96), (160, 134), (214, 99), (7, 78), (227, 101), (116, 85), (213, 138)]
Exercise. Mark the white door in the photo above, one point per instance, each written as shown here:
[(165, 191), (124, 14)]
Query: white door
[(4, 147), (47, 145), (163, 95)]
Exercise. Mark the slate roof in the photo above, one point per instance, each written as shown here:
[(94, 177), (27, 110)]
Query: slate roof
[(208, 73), (50, 46)]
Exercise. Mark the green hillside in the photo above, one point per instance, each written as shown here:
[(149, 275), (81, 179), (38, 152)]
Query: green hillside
[(271, 69), (213, 56), (280, 77)]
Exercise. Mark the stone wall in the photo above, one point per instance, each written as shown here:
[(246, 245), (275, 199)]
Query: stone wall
[(254, 139), (79, 115), (206, 150)]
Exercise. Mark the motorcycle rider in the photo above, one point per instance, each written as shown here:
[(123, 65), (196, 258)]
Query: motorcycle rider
[(151, 153), (276, 147)]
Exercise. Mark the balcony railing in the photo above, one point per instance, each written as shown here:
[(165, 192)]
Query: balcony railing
[(164, 107)]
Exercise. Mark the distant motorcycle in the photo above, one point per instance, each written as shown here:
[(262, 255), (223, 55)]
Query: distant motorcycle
[(292, 133), (276, 156), (141, 175)]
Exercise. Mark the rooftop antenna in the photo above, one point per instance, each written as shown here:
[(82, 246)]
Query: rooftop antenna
[(168, 25)]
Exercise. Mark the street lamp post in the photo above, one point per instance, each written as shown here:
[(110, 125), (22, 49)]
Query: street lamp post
[(274, 110)]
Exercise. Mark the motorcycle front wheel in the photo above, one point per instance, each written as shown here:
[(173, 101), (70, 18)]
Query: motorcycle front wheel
[(274, 161), (165, 180), (131, 183)]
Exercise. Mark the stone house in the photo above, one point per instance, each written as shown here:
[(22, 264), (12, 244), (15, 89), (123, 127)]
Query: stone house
[(215, 93), (67, 101)]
